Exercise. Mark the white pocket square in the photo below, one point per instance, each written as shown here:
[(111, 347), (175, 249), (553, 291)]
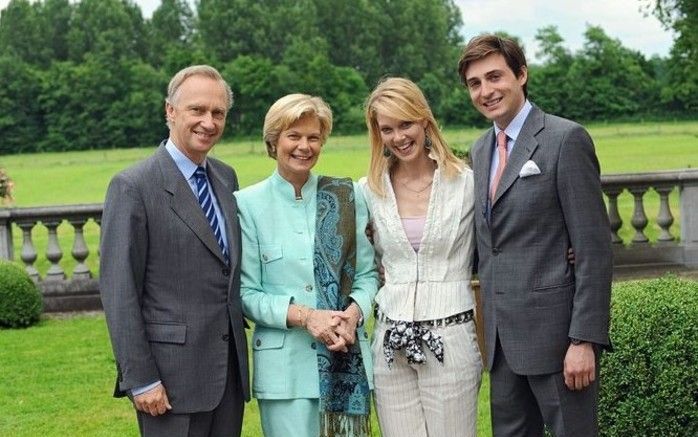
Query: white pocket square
[(529, 169)]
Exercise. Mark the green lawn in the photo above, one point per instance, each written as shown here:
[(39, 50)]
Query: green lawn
[(82, 177), (57, 379)]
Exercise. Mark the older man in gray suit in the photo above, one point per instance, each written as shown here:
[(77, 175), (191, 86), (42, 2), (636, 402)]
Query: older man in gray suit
[(537, 193), (170, 277)]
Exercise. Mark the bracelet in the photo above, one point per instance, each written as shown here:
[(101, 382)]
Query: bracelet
[(307, 315), (300, 315)]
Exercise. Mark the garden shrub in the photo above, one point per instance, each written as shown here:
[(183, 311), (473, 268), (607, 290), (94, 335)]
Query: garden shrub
[(649, 383), (20, 298)]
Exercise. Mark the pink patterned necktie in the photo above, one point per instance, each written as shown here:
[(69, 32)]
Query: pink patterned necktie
[(502, 152)]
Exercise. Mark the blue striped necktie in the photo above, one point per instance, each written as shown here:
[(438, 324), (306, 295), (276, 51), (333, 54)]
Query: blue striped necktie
[(206, 202)]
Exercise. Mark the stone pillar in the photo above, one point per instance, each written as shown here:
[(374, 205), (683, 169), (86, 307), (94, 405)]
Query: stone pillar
[(6, 248), (689, 222)]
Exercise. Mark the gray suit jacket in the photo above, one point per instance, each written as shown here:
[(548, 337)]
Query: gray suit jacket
[(533, 299), (170, 299)]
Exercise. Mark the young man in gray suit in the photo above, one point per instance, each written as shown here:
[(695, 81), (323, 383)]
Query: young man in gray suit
[(537, 193), (170, 276)]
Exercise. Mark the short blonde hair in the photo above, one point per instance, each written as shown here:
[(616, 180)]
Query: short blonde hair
[(195, 70), (288, 110), (402, 99)]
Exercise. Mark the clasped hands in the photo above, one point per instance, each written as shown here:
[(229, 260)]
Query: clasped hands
[(335, 329)]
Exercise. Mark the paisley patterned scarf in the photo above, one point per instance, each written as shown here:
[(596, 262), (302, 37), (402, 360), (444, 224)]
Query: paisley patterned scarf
[(344, 391)]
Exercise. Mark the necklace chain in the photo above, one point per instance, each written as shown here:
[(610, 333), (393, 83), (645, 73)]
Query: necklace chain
[(419, 191)]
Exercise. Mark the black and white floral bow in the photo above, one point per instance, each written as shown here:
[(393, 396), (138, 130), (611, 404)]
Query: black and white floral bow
[(410, 336)]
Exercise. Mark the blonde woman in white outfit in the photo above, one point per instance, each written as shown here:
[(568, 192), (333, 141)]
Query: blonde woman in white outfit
[(427, 365)]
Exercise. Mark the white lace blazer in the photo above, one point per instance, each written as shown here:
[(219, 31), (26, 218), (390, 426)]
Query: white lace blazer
[(434, 282)]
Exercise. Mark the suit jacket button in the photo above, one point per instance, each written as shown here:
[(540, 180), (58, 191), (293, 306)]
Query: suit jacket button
[(225, 337), (265, 258), (496, 251), (226, 271), (313, 346), (308, 288), (258, 342), (365, 334)]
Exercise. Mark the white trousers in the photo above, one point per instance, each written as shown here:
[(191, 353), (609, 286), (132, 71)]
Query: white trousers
[(430, 399)]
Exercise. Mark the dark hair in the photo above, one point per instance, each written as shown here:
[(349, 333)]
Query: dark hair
[(482, 46)]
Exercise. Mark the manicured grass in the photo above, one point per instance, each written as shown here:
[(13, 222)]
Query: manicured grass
[(57, 379), (82, 177)]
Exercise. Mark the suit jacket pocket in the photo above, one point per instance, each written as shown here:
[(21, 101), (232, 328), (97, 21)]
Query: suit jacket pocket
[(166, 333), (271, 256), (269, 253), (554, 295), (270, 366), (271, 339)]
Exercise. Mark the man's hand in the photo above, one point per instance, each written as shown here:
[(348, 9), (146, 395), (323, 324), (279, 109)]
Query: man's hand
[(580, 366), (153, 402)]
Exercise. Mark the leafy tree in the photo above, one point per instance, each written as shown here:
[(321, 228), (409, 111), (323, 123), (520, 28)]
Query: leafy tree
[(256, 83), (55, 19), (36, 32), (606, 81), (170, 35), (547, 84), (110, 29), (21, 121), (20, 32), (682, 17), (231, 28)]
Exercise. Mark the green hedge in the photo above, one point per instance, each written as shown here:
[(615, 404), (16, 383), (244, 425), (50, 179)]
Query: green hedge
[(20, 298), (649, 383)]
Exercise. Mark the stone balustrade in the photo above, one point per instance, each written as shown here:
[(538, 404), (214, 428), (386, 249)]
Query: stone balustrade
[(62, 292), (668, 252), (79, 290)]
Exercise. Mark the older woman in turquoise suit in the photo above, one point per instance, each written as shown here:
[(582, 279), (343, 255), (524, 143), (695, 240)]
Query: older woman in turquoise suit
[(308, 278)]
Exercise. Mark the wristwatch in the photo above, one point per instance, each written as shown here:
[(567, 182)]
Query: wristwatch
[(576, 341)]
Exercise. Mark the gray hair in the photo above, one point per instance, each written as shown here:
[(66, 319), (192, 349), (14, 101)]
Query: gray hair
[(195, 70)]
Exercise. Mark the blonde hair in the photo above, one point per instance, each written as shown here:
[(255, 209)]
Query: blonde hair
[(288, 110), (195, 70), (402, 99)]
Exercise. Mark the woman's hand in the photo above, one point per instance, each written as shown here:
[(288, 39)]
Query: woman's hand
[(348, 321), (322, 325)]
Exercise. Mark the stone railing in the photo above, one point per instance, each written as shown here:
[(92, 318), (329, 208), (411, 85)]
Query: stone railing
[(80, 289), (669, 252)]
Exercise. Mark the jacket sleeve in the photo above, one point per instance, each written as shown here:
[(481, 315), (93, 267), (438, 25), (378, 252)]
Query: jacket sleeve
[(264, 309), (123, 258), (586, 220), (366, 279)]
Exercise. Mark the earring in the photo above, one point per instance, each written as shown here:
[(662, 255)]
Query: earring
[(427, 142), (386, 152)]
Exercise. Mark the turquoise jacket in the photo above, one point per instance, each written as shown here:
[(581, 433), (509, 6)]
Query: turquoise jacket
[(278, 234)]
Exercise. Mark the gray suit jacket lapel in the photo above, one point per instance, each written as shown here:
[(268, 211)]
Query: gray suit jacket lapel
[(526, 144), (184, 203), (224, 195), (482, 159)]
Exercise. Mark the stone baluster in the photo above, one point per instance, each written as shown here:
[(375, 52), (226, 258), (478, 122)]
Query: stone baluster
[(98, 220), (28, 254), (664, 219), (53, 251), (639, 220), (80, 250), (613, 214)]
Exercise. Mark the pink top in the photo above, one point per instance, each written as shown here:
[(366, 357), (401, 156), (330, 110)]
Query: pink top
[(414, 228)]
